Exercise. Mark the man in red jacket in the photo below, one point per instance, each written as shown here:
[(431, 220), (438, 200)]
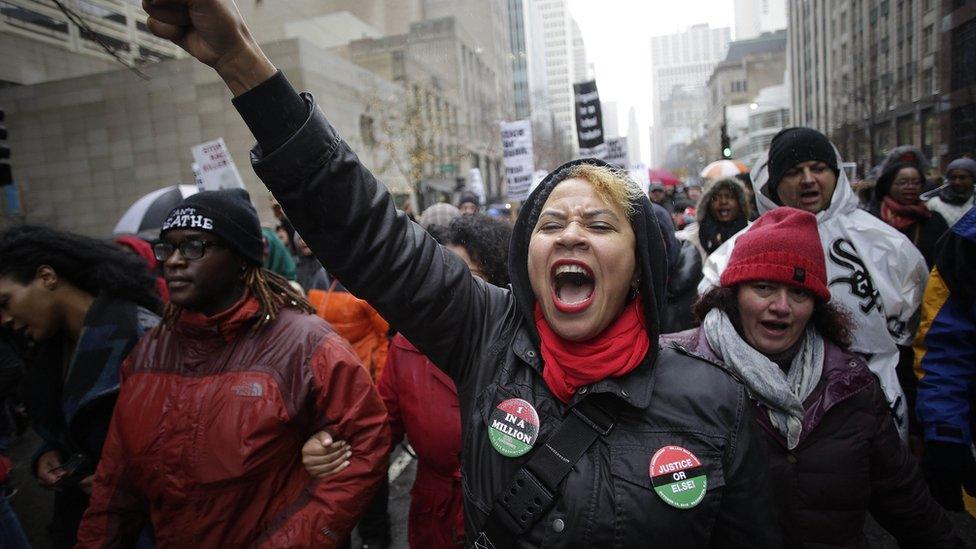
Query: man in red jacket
[(205, 443)]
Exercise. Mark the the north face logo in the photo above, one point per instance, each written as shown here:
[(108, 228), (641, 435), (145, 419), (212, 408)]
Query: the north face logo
[(249, 389)]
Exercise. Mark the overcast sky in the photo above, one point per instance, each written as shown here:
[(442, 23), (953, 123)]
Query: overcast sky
[(618, 34)]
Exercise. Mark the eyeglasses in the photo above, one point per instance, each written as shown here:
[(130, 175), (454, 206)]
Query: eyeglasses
[(191, 248)]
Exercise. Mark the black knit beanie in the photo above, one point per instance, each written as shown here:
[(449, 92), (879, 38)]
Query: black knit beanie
[(227, 213), (792, 146)]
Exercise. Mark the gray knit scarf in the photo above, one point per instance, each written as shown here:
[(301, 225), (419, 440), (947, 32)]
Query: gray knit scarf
[(782, 393)]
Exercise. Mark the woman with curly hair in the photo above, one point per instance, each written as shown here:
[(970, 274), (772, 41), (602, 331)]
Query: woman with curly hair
[(85, 304), (415, 391), (834, 453)]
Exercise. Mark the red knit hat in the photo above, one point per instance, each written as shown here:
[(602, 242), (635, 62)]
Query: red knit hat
[(781, 246)]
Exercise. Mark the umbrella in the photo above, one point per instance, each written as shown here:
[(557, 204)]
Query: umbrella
[(723, 168), (663, 177), (145, 216)]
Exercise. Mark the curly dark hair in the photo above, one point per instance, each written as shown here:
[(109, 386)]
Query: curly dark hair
[(486, 241), (93, 266), (831, 321)]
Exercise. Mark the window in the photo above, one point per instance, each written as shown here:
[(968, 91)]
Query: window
[(96, 38), (963, 47), (927, 40), (906, 129), (99, 12), (963, 130), (32, 20), (928, 123)]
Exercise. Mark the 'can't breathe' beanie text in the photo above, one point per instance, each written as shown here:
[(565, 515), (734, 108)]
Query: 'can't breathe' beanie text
[(227, 213)]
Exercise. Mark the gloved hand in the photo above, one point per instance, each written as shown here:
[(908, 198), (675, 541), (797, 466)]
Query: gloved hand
[(950, 468)]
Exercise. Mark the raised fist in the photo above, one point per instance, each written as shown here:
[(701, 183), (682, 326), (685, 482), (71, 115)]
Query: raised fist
[(214, 32)]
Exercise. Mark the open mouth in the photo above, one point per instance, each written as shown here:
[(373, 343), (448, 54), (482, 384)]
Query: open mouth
[(573, 284), (775, 327), (810, 197)]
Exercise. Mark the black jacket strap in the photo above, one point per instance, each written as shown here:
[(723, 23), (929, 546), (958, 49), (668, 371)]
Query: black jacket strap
[(535, 487)]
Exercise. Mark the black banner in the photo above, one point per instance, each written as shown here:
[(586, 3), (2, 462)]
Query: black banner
[(589, 118)]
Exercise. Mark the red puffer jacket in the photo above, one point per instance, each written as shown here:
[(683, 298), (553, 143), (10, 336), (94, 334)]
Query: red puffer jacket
[(423, 404), (207, 434)]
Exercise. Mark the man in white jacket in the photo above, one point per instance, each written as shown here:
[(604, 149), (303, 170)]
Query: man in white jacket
[(873, 270)]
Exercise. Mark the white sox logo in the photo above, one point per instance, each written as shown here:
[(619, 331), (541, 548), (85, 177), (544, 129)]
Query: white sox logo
[(842, 253)]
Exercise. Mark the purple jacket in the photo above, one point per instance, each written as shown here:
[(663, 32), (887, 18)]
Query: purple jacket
[(849, 461)]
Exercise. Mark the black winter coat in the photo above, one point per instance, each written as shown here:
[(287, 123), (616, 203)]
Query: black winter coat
[(925, 233), (682, 289), (480, 336)]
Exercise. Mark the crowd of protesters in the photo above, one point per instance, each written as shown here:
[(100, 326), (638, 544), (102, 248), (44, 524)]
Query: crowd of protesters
[(757, 360)]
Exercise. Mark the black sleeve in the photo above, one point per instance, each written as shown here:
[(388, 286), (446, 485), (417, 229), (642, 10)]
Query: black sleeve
[(272, 126), (350, 222)]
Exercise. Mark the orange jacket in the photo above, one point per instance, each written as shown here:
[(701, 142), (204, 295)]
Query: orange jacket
[(208, 429), (358, 323)]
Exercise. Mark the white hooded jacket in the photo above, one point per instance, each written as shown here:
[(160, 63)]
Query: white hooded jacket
[(872, 270)]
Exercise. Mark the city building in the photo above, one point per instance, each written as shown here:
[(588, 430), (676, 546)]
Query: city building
[(767, 114), (518, 39), (448, 82), (680, 66), (561, 66), (633, 137), (42, 43), (754, 17), (957, 57), (443, 66), (868, 74), (581, 69), (85, 148), (734, 86), (452, 58)]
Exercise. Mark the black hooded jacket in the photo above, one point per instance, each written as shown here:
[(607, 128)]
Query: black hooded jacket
[(484, 338)]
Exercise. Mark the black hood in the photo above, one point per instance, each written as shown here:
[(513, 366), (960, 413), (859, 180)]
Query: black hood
[(651, 251)]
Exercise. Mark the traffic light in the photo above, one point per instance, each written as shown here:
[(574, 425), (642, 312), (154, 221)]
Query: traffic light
[(726, 143), (6, 174)]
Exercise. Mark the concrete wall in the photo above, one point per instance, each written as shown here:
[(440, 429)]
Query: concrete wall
[(28, 61), (85, 148)]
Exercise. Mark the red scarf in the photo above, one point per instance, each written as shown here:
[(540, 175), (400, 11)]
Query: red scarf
[(900, 215), (570, 365)]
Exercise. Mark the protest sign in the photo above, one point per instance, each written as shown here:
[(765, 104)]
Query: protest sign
[(517, 147), (216, 167)]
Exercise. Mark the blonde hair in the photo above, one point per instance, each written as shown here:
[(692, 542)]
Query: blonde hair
[(613, 186)]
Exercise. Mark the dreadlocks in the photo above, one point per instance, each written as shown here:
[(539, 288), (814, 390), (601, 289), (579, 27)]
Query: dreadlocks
[(272, 291)]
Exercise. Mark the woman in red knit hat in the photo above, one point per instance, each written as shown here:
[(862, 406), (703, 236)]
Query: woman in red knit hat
[(834, 452)]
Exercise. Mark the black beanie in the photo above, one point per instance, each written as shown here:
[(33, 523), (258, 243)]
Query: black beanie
[(792, 146), (227, 213)]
